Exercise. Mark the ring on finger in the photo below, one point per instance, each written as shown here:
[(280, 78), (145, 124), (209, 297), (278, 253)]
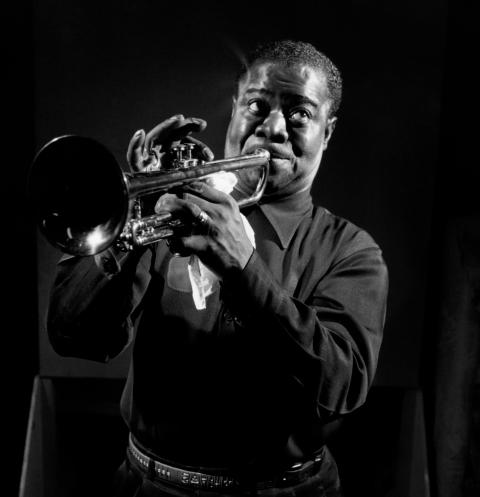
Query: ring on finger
[(203, 219)]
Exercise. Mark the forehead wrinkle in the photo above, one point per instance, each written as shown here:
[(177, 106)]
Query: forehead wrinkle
[(308, 84), (258, 90)]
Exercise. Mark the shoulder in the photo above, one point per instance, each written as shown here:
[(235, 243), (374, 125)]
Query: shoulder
[(336, 249), (340, 236)]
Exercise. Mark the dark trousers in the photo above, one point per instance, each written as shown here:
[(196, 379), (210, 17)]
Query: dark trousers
[(133, 481)]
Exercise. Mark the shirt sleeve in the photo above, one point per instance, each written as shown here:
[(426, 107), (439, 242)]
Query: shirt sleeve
[(327, 340), (93, 302)]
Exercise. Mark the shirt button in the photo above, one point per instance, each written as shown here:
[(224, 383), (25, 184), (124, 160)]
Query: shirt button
[(231, 318)]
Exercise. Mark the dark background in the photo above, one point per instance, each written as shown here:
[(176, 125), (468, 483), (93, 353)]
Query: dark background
[(400, 158)]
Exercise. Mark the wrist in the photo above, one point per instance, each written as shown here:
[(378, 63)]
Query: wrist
[(247, 256)]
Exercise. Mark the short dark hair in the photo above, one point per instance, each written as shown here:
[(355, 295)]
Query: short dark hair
[(290, 53)]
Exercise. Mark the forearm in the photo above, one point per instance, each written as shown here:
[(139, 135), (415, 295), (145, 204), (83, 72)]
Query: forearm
[(90, 309), (326, 338)]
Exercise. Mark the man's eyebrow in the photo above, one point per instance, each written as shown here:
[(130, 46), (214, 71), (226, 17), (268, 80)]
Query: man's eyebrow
[(302, 99), (297, 99)]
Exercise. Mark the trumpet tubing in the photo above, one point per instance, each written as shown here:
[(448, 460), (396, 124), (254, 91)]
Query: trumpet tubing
[(84, 201)]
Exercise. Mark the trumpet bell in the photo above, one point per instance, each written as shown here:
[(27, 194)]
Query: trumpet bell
[(78, 194)]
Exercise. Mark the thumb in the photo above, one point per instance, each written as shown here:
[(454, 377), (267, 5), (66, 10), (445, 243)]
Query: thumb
[(135, 150)]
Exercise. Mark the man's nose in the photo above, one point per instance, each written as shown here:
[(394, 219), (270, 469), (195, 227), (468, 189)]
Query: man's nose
[(273, 127)]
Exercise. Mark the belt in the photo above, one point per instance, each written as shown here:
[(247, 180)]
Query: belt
[(194, 479)]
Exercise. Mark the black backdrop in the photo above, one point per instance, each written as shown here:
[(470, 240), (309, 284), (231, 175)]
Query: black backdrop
[(105, 69)]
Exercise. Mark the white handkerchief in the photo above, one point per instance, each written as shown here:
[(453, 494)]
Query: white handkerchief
[(201, 278)]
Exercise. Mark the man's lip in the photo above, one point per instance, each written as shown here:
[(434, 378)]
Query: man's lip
[(274, 152)]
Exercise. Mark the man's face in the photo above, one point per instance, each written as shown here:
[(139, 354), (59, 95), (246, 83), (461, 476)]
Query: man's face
[(284, 110)]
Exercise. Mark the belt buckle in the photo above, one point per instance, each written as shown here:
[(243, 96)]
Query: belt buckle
[(298, 467), (297, 473)]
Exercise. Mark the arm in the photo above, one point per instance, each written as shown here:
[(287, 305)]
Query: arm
[(92, 301), (328, 339)]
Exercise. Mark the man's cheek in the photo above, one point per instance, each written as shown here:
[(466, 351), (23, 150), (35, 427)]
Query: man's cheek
[(242, 133)]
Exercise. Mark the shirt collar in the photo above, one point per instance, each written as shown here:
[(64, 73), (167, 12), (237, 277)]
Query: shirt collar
[(286, 213)]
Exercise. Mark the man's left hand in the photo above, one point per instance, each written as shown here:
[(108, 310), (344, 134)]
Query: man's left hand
[(218, 237)]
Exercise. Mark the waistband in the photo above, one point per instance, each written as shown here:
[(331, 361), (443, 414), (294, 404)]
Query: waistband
[(219, 481)]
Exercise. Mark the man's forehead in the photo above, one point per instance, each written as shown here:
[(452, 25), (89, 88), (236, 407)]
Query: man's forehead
[(298, 79)]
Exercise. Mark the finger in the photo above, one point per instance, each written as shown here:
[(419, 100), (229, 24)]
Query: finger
[(188, 245), (204, 149), (161, 129), (195, 244), (189, 211), (182, 129), (135, 150), (168, 202), (177, 248), (194, 219), (173, 129)]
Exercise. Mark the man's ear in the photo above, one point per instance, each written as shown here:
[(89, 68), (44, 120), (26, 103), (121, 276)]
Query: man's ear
[(331, 123)]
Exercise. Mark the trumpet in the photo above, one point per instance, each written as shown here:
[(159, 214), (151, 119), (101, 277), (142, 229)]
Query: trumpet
[(85, 203)]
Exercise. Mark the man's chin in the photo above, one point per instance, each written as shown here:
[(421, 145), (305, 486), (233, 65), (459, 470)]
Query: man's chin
[(277, 186), (280, 172)]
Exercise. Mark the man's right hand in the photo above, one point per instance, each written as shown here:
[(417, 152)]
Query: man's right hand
[(147, 150)]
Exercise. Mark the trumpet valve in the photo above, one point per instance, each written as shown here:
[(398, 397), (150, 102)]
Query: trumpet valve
[(182, 157)]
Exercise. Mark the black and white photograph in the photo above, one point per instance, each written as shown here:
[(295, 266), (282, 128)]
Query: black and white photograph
[(242, 249)]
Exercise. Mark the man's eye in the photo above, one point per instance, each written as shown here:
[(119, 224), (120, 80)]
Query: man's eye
[(256, 107), (300, 116)]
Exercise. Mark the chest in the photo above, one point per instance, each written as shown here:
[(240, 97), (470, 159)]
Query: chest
[(288, 265)]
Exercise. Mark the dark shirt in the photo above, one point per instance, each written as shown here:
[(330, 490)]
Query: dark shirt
[(283, 347)]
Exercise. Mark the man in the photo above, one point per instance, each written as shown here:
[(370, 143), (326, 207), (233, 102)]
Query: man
[(234, 398)]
